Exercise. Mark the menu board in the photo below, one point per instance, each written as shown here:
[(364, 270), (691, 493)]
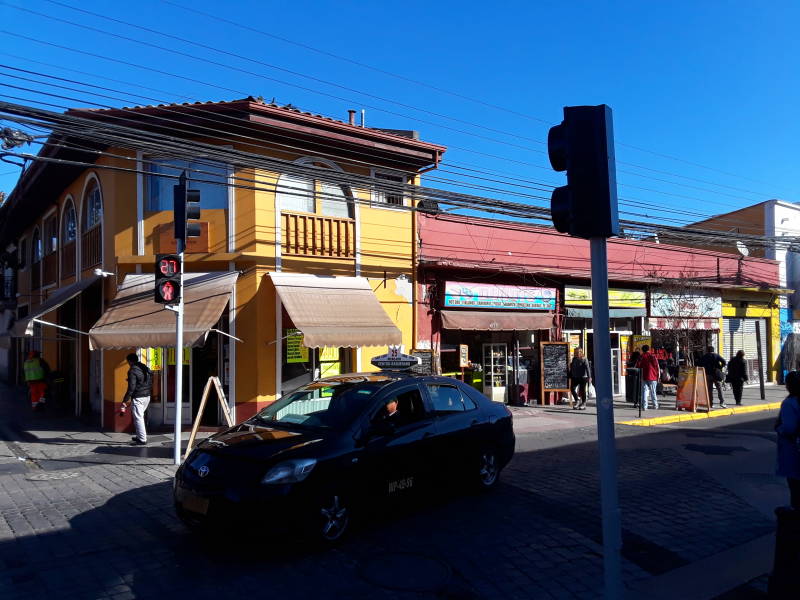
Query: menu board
[(425, 366), (692, 390), (553, 357)]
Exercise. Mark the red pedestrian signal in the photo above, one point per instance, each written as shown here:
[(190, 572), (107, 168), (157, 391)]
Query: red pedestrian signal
[(167, 278)]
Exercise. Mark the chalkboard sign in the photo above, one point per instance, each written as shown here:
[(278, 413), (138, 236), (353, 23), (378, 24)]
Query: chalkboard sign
[(425, 366), (553, 357)]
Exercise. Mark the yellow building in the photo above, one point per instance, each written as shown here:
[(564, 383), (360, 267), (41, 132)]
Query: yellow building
[(305, 257)]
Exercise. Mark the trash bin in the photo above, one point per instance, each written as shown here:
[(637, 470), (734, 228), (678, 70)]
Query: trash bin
[(783, 581), (633, 385)]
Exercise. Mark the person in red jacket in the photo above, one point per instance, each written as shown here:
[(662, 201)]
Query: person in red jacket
[(648, 363)]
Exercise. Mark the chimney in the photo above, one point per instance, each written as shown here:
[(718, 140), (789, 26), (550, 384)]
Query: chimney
[(352, 119)]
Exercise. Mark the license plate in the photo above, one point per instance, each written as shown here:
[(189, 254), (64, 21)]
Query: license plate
[(192, 503)]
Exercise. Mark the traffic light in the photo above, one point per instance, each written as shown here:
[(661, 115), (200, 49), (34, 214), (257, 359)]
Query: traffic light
[(583, 146), (168, 278), (186, 208)]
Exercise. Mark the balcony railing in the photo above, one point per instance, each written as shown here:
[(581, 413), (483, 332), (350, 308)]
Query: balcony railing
[(50, 270), (36, 275), (92, 247), (316, 235), (68, 259)]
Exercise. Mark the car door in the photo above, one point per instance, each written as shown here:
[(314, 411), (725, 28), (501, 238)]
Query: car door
[(395, 455), (460, 426)]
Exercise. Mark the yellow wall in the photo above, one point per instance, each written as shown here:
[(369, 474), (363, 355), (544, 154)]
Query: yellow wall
[(758, 310)]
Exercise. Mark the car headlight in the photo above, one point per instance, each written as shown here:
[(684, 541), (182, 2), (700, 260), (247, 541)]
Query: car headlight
[(290, 471)]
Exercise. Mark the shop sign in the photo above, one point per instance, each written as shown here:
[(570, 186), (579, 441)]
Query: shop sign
[(155, 358), (692, 304), (637, 341), (617, 298), (463, 356), (187, 353), (460, 294), (296, 352)]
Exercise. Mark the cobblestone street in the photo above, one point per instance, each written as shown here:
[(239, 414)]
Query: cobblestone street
[(85, 516)]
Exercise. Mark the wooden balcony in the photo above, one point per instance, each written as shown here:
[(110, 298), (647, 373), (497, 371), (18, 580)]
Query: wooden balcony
[(317, 235), (68, 259), (92, 247), (50, 269)]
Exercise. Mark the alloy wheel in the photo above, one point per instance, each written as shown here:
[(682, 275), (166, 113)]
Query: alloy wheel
[(335, 518), (488, 471)]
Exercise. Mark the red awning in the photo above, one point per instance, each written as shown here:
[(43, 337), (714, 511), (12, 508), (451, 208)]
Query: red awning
[(674, 323), (484, 320)]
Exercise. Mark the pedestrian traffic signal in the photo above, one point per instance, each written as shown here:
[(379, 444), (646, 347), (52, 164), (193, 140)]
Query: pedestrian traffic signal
[(186, 208), (583, 146), (168, 278)]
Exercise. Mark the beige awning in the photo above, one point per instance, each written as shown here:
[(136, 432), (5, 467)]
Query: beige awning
[(337, 312), (24, 327), (135, 320), (484, 320)]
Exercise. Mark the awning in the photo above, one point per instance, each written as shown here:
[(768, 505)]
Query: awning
[(24, 327), (135, 320), (613, 313), (484, 320), (674, 323), (338, 312)]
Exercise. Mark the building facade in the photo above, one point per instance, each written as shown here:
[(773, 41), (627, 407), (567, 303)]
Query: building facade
[(303, 268)]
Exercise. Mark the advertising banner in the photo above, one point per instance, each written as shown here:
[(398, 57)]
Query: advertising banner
[(617, 298), (460, 294), (683, 305), (296, 352)]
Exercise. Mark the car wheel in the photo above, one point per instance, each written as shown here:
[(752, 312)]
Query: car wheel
[(333, 518), (488, 469)]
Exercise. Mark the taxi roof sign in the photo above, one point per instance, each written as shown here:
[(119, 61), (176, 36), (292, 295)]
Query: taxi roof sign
[(394, 360)]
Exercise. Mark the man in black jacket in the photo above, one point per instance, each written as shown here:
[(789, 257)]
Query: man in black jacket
[(140, 384), (713, 364)]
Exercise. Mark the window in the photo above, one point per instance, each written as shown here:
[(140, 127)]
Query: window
[(23, 254), (36, 247), (390, 197), (69, 231), (446, 399), (305, 194), (410, 407), (51, 235), (92, 206), (210, 179)]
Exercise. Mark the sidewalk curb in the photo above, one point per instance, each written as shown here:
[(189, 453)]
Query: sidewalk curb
[(725, 412)]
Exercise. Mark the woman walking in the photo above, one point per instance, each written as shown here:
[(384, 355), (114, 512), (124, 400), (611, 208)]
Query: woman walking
[(737, 375), (788, 430), (579, 375)]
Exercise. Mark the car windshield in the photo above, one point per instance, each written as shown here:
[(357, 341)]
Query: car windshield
[(321, 405)]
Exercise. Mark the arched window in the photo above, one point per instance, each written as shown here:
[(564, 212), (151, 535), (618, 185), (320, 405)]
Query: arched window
[(92, 206), (69, 225), (304, 194), (36, 246)]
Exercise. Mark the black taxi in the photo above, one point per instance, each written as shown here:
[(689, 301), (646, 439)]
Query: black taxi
[(311, 458)]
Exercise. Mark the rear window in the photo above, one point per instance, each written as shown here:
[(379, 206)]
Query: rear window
[(448, 398)]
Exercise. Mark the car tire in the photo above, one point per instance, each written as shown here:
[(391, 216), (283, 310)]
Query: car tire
[(488, 469), (333, 514)]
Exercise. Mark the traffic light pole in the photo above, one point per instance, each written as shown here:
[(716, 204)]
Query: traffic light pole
[(179, 359), (609, 496)]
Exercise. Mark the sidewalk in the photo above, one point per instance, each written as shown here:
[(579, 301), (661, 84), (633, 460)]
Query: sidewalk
[(530, 419)]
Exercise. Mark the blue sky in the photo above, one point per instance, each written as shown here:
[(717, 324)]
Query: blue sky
[(703, 92)]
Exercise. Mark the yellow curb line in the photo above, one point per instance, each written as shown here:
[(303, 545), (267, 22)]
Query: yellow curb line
[(704, 415)]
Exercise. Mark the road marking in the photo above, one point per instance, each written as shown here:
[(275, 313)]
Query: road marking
[(724, 412)]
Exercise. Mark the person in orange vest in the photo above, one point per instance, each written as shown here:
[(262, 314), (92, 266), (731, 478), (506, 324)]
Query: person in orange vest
[(36, 371)]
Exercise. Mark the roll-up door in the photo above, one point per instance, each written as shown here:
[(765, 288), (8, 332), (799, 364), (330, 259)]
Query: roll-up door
[(740, 334)]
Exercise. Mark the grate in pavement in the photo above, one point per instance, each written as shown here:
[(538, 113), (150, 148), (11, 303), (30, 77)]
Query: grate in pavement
[(406, 571)]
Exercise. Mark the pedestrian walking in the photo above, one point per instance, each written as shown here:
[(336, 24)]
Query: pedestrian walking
[(788, 429), (140, 384), (648, 363), (36, 372), (737, 375), (713, 364), (580, 376)]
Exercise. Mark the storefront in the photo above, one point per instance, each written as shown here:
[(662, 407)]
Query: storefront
[(750, 320), (627, 309), (683, 323), (501, 326)]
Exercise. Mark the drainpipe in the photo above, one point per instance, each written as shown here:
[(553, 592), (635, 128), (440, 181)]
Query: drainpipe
[(363, 118)]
